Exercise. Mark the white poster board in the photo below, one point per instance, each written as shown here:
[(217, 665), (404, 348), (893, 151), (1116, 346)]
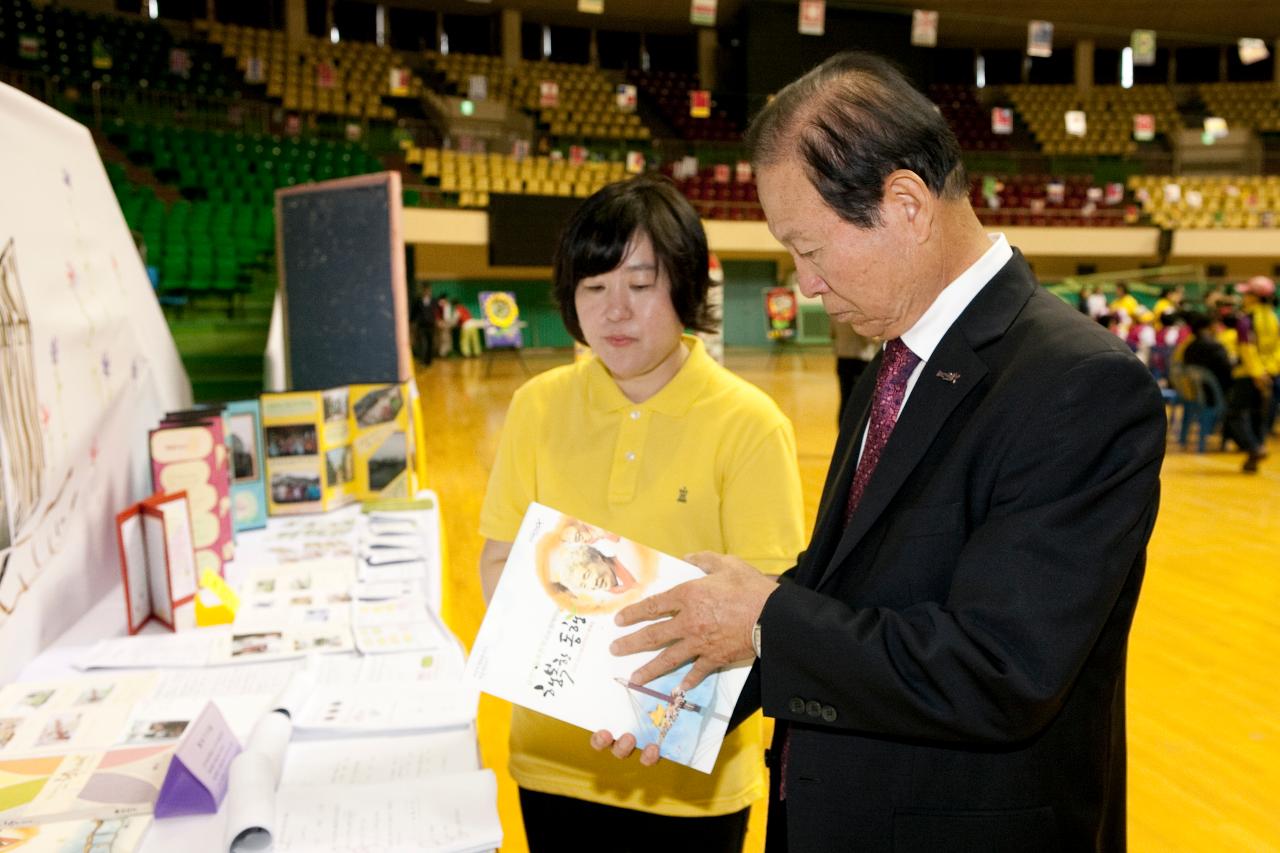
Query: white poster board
[(87, 364)]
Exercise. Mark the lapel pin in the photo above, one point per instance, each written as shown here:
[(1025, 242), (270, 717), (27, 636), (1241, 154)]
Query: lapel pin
[(948, 376)]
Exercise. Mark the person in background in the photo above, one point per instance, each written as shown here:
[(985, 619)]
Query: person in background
[(1168, 306), (1219, 300), (1082, 298), (1254, 349), (853, 354), (1125, 301), (1120, 324), (1141, 335), (468, 333), (1258, 303), (1240, 417), (422, 323), (446, 321), (1095, 305), (1205, 350), (651, 439), (466, 340)]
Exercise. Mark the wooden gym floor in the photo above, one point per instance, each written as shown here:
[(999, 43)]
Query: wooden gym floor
[(1204, 662)]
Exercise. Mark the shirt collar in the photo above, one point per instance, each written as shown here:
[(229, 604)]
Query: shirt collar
[(675, 398), (923, 338)]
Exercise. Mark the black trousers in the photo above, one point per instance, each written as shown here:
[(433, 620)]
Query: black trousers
[(775, 836), (554, 824), (1244, 415)]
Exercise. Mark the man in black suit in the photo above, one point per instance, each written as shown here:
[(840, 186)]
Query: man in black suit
[(946, 660)]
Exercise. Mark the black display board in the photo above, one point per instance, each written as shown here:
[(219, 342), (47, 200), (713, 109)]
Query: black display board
[(342, 280)]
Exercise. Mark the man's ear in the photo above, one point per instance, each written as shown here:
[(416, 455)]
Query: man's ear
[(909, 201)]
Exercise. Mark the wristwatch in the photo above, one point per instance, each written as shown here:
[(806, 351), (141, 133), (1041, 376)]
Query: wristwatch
[(755, 638)]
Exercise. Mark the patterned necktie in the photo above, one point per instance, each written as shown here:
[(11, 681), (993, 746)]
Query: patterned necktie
[(891, 387)]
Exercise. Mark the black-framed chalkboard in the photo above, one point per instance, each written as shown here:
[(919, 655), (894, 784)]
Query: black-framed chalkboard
[(342, 282)]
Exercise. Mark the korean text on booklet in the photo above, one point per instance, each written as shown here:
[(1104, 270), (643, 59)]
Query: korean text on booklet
[(545, 640)]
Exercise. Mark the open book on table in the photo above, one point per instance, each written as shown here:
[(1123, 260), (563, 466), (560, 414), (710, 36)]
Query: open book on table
[(544, 643)]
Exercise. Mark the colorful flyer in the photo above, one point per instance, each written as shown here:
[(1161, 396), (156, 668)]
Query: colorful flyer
[(625, 97), (1144, 127), (1143, 44), (1001, 121), (780, 312), (813, 17), (1040, 39), (113, 784), (702, 13), (699, 103), (924, 28), (548, 93)]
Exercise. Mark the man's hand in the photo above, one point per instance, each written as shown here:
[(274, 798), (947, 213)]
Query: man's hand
[(710, 622)]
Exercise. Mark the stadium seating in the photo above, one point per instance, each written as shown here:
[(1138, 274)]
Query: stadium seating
[(720, 199), (471, 177), (587, 105), (1109, 112), (1253, 105), (669, 92), (970, 120), (78, 49), (1219, 201), (228, 180), (1025, 200), (238, 168), (349, 79)]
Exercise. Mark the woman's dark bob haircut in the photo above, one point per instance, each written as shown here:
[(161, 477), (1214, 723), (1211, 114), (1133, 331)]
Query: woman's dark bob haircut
[(596, 239)]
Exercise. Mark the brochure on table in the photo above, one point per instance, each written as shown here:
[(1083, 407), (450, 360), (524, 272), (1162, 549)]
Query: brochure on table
[(191, 456), (544, 643), (158, 562), (248, 475), (328, 448)]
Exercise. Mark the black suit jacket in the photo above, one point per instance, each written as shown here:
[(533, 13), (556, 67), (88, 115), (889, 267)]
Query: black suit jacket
[(950, 665)]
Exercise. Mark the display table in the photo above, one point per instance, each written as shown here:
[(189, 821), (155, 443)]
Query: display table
[(243, 691)]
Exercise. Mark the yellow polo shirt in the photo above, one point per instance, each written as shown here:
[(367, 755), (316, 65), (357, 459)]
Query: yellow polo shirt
[(1163, 306), (1128, 304), (1266, 336), (707, 463)]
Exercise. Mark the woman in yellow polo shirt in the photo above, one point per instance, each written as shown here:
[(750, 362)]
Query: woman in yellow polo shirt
[(653, 440)]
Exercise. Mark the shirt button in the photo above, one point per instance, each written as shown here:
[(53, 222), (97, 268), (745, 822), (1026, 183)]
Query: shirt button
[(635, 416), (631, 456)]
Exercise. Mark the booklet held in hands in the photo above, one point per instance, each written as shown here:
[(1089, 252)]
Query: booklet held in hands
[(545, 640)]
